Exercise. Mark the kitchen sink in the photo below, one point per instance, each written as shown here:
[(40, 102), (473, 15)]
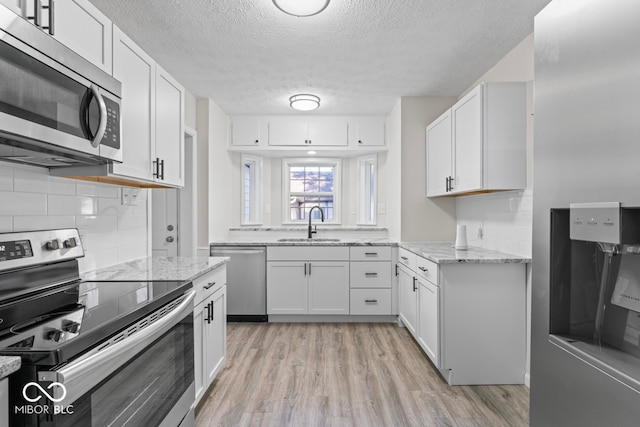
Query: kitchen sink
[(303, 239)]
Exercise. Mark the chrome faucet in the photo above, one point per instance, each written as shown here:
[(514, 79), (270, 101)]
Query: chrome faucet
[(312, 231)]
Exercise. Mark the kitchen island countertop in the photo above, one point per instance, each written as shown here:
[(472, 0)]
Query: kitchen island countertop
[(158, 268), (445, 253), (9, 365)]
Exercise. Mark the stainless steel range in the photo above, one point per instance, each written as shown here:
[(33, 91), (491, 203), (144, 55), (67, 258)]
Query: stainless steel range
[(93, 353)]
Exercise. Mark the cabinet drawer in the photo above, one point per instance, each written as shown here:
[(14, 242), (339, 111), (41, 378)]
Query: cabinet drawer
[(308, 253), (203, 284), (371, 253), (427, 269), (371, 274), (407, 258), (370, 301)]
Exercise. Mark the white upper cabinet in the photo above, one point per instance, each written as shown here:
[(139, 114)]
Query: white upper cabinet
[(486, 131), (367, 131), (152, 116), (248, 131), (439, 155), (75, 23), (169, 120), (309, 131), (85, 30), (284, 135), (136, 71)]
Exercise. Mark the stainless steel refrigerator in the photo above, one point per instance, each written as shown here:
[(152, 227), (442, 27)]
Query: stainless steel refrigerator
[(585, 350)]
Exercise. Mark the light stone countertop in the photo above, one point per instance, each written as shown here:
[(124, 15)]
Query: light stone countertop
[(316, 241), (9, 365), (158, 268), (444, 253)]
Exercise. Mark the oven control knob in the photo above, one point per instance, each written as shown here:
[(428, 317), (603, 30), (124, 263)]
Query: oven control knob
[(70, 243), (53, 245), (72, 327), (55, 335)]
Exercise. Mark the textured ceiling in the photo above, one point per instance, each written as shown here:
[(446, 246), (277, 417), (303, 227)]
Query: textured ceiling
[(359, 56)]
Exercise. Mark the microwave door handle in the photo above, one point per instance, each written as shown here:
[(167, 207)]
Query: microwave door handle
[(102, 127)]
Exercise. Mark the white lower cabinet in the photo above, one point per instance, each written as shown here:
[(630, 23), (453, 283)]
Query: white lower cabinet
[(210, 329), (429, 320), (407, 299)]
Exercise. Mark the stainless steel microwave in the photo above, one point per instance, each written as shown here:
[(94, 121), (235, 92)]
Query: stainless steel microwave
[(56, 108)]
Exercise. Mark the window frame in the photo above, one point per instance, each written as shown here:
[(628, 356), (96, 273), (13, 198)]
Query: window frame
[(367, 202), (256, 190), (286, 191)]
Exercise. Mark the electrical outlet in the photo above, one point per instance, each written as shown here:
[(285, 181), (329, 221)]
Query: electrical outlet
[(382, 208), (130, 196)]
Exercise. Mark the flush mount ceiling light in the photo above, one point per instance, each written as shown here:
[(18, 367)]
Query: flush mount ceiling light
[(301, 7), (304, 102)]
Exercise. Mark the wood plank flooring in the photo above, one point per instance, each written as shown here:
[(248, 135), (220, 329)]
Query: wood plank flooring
[(339, 374)]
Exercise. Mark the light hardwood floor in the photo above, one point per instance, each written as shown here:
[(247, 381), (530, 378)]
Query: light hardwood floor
[(307, 374)]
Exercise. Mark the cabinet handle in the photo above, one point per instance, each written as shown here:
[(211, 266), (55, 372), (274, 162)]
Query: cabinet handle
[(414, 284), (359, 141), (213, 312), (423, 269), (50, 7), (451, 179), (396, 270), (305, 268), (162, 169), (37, 13), (371, 301), (208, 319), (209, 285), (309, 269), (371, 274), (404, 258), (371, 254), (156, 167)]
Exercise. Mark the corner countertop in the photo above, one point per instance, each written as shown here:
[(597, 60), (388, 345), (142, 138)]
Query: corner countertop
[(444, 253), (9, 365), (158, 268), (316, 241)]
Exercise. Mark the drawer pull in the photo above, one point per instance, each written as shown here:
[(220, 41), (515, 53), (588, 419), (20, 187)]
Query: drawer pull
[(371, 274), (371, 301), (404, 258), (371, 253), (423, 269), (210, 285)]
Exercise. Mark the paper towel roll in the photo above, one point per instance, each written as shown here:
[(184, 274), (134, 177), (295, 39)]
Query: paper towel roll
[(461, 237)]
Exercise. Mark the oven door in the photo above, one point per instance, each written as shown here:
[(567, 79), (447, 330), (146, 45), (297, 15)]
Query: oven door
[(146, 378)]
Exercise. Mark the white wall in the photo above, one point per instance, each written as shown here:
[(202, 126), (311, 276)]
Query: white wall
[(111, 233)]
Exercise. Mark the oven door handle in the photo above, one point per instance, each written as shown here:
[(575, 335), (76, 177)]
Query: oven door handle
[(79, 377)]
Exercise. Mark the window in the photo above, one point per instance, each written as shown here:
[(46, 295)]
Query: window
[(367, 189), (308, 183), (251, 189)]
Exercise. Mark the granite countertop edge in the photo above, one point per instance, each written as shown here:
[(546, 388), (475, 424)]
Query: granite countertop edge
[(310, 242), (9, 365), (445, 253), (157, 268)]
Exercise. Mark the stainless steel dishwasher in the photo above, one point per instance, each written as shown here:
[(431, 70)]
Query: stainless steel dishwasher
[(246, 282)]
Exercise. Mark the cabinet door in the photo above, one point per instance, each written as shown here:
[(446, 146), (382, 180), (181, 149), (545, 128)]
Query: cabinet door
[(438, 155), (199, 317), (84, 29), (288, 131), (368, 131), (246, 131), (136, 71), (467, 142), (328, 287), (328, 131), (286, 287), (216, 335), (169, 123), (429, 320), (407, 299)]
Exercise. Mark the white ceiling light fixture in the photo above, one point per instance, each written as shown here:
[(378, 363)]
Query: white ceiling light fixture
[(304, 102), (301, 8)]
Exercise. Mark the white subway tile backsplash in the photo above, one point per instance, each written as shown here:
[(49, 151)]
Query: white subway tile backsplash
[(32, 180), (30, 199), (72, 205), (43, 222), (14, 204)]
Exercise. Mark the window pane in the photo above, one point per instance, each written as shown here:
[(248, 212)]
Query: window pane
[(311, 185), (301, 205)]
